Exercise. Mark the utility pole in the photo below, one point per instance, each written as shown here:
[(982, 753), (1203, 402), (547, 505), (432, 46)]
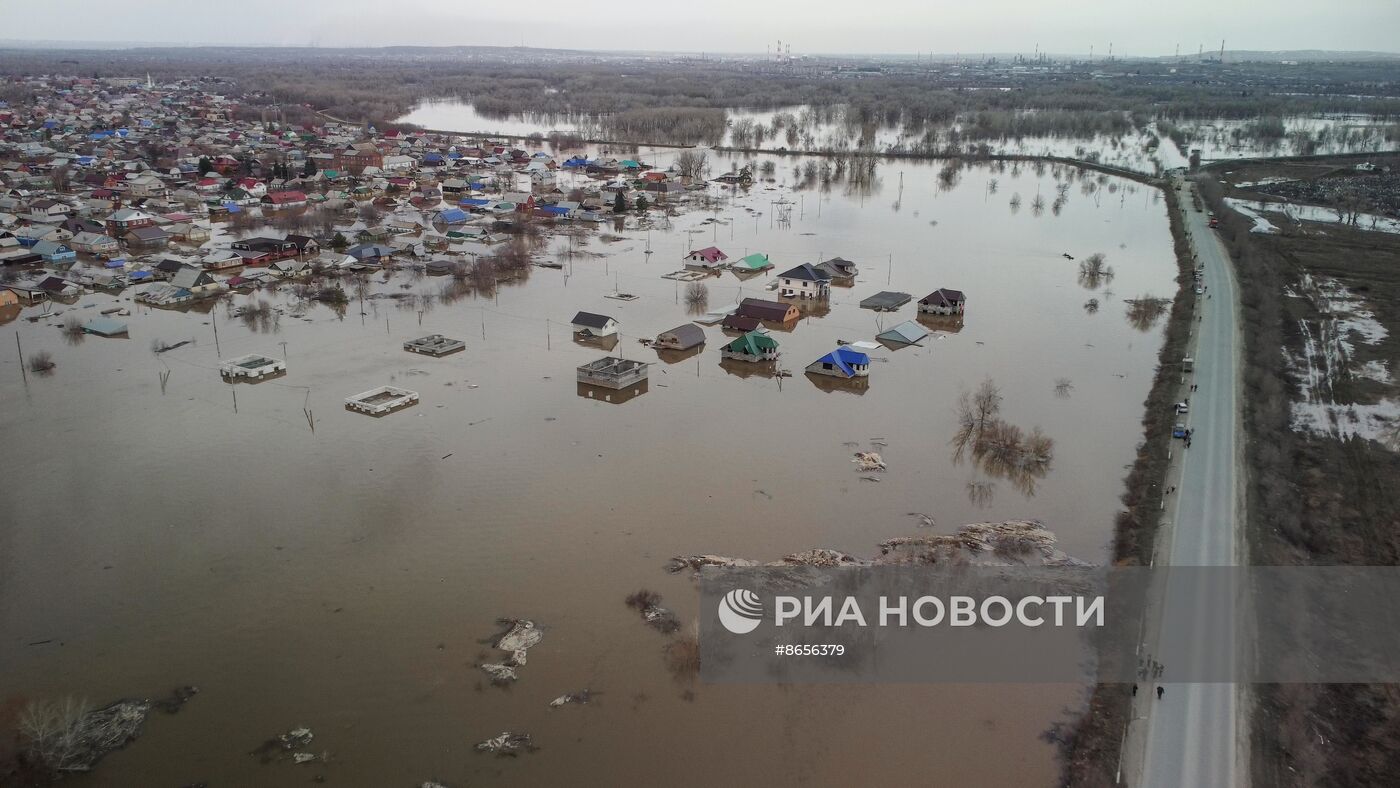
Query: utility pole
[(214, 321)]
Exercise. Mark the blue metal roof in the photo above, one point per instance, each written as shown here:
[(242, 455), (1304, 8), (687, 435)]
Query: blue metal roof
[(843, 358)]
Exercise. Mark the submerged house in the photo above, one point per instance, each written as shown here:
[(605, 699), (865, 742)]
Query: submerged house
[(94, 243), (53, 252), (772, 311), (594, 325), (612, 372), (681, 337), (752, 346), (104, 327), (737, 322), (841, 270), (886, 301), (708, 259), (943, 302), (194, 279), (843, 362), (752, 264), (906, 333), (804, 281)]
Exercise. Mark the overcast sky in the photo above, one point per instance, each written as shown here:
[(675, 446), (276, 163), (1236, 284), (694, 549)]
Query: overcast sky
[(1134, 27)]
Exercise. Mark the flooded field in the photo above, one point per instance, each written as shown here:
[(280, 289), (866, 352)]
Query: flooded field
[(303, 564), (1145, 149)]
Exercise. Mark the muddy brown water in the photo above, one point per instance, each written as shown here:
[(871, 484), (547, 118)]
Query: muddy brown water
[(344, 579)]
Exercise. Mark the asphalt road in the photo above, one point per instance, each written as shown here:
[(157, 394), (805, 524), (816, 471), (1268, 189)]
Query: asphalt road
[(1192, 738)]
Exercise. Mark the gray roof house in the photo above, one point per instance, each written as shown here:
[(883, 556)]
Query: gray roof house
[(681, 337)]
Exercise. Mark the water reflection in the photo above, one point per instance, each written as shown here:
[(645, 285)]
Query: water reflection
[(980, 492), (612, 396), (1144, 311), (1094, 272), (995, 447), (941, 324), (588, 340), (260, 317), (749, 369), (831, 385), (677, 356)]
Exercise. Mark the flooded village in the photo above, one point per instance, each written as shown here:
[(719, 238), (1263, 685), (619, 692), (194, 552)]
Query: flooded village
[(335, 421)]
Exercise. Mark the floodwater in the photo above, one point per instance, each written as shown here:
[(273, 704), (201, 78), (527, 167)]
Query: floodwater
[(1140, 150), (462, 116), (345, 578)]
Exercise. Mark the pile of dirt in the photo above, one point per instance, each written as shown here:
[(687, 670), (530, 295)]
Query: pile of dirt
[(1008, 543)]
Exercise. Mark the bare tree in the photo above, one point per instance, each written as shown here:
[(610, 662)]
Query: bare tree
[(41, 362), (697, 295), (976, 412), (1144, 311), (1093, 272), (693, 164), (60, 178)]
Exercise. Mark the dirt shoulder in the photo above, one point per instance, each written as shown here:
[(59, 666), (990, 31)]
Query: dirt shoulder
[(1320, 308)]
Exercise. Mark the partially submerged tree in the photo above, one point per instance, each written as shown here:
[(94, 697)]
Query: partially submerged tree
[(41, 362), (1094, 272), (697, 295), (693, 164)]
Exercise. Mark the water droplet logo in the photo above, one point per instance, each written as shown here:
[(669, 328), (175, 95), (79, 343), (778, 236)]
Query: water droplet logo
[(740, 611)]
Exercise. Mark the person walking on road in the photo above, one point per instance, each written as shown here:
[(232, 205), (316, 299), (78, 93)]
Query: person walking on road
[(1160, 691)]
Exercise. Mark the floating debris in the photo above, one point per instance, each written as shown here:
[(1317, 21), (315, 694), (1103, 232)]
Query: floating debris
[(868, 461), (581, 697), (925, 521), (280, 745), (508, 744), (648, 603), (520, 636)]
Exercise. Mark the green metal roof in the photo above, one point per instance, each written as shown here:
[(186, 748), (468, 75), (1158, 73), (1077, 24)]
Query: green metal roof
[(755, 261), (752, 343)]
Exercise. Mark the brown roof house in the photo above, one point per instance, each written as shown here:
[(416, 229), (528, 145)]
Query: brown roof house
[(771, 311), (943, 302)]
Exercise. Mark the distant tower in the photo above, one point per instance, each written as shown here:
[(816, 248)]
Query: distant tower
[(149, 83)]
